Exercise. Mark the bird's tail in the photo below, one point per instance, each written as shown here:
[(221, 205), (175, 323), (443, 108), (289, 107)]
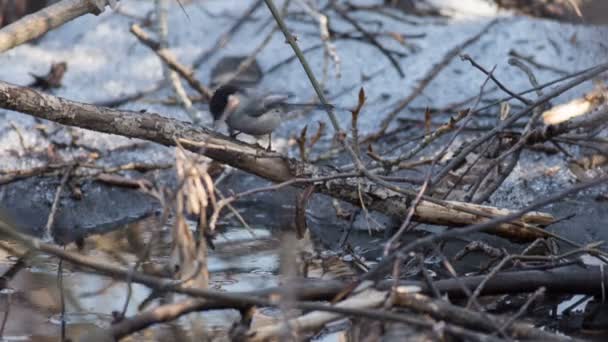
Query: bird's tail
[(312, 106)]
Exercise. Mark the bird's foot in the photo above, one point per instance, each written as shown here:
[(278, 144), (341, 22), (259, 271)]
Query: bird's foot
[(233, 133), (269, 148), (101, 4)]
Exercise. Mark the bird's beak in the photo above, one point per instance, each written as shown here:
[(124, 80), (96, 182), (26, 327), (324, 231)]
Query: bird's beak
[(231, 107), (233, 104)]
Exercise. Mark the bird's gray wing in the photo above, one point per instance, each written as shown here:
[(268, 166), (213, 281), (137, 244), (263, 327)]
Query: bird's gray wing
[(272, 100), (257, 103), (265, 103)]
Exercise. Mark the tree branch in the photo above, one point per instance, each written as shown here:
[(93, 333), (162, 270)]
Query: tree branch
[(252, 159), (36, 24)]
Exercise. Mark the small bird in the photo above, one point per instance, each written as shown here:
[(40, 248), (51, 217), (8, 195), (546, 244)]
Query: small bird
[(250, 112)]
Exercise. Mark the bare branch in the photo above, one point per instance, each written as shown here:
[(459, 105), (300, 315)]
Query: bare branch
[(36, 24)]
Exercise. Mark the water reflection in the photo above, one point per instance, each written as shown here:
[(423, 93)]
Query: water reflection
[(243, 260)]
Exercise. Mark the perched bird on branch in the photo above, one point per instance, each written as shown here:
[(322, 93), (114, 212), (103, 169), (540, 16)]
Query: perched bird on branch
[(251, 112)]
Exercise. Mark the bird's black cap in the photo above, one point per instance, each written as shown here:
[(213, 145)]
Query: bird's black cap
[(219, 100)]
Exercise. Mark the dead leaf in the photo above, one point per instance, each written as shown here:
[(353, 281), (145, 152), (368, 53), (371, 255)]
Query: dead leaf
[(427, 121), (52, 79), (301, 204)]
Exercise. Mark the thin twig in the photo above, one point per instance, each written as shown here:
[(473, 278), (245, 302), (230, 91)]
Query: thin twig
[(7, 308), (324, 31), (532, 61), (408, 218), (533, 297), (169, 59), (51, 218), (61, 297), (431, 74), (225, 37), (290, 59), (132, 97), (369, 37), (509, 121), (292, 42), (509, 258), (522, 99), (380, 268)]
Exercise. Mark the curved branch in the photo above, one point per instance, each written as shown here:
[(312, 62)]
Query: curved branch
[(36, 24), (254, 160)]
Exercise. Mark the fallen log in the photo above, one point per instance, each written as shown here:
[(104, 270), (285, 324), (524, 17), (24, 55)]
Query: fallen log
[(268, 165)]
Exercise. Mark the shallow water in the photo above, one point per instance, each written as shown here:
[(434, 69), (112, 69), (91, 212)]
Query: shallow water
[(242, 262)]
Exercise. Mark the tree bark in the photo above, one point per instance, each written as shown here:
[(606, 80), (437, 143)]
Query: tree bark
[(36, 24), (254, 160)]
